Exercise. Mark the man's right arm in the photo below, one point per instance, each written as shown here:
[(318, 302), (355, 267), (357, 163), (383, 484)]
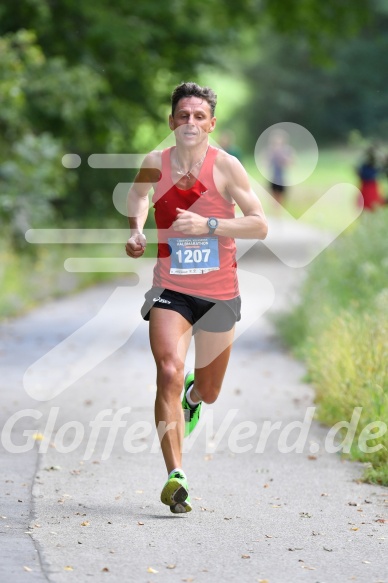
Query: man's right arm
[(137, 203)]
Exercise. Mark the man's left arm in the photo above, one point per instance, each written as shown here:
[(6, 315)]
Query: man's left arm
[(253, 225)]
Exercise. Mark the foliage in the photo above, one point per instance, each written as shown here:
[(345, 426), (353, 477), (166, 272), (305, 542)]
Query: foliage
[(30, 181), (29, 175), (27, 280), (97, 77), (331, 97), (340, 328)]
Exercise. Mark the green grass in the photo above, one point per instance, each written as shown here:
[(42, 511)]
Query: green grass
[(340, 328), (38, 275)]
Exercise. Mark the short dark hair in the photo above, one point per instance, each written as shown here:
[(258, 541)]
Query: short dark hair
[(193, 90)]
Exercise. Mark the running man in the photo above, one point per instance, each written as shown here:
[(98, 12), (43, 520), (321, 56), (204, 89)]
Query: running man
[(195, 288)]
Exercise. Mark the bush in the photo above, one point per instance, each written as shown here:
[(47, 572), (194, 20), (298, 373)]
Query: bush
[(340, 328)]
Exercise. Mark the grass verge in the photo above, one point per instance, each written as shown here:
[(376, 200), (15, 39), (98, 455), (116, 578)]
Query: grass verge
[(340, 329)]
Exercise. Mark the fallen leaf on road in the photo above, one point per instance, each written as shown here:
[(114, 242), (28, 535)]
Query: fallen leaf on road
[(324, 494), (381, 520), (208, 458), (366, 562), (151, 570), (305, 515), (327, 549), (28, 569), (263, 581), (312, 457), (140, 523), (139, 491), (170, 566), (85, 523), (354, 528), (352, 504), (245, 556), (308, 568), (38, 436), (52, 468), (228, 518), (68, 568), (105, 570)]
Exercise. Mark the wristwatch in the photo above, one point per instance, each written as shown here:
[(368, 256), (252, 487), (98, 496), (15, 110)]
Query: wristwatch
[(212, 223)]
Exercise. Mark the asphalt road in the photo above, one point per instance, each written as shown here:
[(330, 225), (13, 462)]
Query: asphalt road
[(86, 508)]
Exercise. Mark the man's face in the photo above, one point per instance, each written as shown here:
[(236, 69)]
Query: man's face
[(192, 120)]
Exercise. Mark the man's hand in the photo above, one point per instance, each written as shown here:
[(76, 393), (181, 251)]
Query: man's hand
[(136, 245), (190, 223)]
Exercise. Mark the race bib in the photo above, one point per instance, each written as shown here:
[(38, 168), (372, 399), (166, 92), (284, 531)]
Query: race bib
[(194, 256)]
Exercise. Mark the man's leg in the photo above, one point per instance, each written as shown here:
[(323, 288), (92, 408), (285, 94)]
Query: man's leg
[(167, 328), (212, 352)]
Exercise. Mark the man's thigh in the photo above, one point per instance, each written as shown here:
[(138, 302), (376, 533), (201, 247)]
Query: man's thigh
[(170, 335), (212, 352)]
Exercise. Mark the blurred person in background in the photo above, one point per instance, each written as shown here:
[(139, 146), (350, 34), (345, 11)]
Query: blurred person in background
[(368, 172), (227, 142), (279, 157)]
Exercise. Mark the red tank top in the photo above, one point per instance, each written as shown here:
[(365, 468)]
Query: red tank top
[(204, 199)]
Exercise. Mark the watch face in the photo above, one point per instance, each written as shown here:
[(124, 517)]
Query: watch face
[(213, 223)]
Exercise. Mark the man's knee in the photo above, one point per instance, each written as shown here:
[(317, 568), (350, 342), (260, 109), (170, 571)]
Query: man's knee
[(169, 373)]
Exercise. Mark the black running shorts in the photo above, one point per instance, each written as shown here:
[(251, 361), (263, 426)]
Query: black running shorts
[(202, 313)]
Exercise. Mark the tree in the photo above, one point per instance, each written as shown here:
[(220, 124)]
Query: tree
[(345, 92), (106, 70)]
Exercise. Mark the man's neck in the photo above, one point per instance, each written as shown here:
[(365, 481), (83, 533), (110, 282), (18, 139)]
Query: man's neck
[(187, 157)]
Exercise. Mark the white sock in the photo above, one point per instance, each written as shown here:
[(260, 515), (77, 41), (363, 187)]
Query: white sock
[(176, 470), (188, 398)]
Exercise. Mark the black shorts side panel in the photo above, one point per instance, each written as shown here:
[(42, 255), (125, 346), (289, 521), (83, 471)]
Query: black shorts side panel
[(221, 317)]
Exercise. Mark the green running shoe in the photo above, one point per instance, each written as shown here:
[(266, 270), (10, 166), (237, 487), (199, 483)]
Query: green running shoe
[(191, 414), (175, 493), (182, 507)]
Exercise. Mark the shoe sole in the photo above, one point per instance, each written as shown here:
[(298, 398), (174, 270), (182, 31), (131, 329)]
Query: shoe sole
[(173, 493), (181, 508)]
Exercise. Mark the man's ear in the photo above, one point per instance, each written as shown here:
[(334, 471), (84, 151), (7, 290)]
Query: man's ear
[(171, 122), (212, 125)]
